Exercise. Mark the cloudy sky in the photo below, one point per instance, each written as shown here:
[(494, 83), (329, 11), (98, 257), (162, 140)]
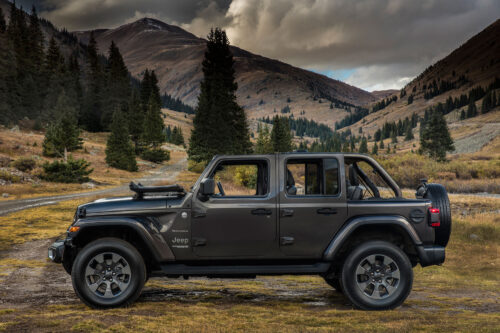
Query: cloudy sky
[(372, 44)]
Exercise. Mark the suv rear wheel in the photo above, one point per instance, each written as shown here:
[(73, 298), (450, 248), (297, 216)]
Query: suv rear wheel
[(108, 272), (377, 275)]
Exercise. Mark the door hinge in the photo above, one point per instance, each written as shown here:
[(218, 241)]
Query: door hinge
[(198, 213)]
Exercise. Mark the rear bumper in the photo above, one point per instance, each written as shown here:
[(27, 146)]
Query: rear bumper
[(431, 255), (56, 251)]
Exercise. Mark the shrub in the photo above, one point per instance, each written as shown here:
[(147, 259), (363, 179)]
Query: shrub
[(72, 171), (157, 155), (8, 177), (24, 164), (246, 175), (197, 167)]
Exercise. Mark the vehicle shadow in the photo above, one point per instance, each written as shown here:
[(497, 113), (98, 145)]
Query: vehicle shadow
[(221, 295)]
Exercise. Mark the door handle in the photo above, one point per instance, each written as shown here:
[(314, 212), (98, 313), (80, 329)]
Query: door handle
[(287, 240), (286, 212), (262, 211), (327, 211)]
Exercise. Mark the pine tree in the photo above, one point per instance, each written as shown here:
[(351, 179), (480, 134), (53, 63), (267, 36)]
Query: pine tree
[(487, 104), (436, 140), (155, 90), (62, 136), (93, 105), (409, 134), (176, 136), (9, 99), (394, 138), (345, 147), (152, 134), (382, 144), (471, 110), (263, 144), (120, 152), (35, 42), (220, 125), (3, 24), (136, 120), (363, 147), (118, 86), (53, 77), (462, 115), (281, 136), (73, 86), (145, 91), (375, 148)]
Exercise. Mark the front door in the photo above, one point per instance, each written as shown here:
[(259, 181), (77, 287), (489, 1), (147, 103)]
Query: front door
[(240, 219), (312, 204)]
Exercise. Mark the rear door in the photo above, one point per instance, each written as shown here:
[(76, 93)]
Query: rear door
[(313, 211), (242, 221)]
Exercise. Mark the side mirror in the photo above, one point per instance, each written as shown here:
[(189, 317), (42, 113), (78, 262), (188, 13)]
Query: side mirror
[(207, 187)]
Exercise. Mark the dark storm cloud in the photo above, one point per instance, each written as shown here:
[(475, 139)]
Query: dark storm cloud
[(383, 42), (88, 14)]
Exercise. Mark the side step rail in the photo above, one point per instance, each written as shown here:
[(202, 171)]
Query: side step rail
[(181, 269)]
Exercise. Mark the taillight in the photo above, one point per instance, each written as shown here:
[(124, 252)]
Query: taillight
[(434, 217)]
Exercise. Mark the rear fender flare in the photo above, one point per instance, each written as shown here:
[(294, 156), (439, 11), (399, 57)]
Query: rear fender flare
[(350, 227), (144, 228)]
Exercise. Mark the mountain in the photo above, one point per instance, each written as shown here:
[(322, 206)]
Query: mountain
[(380, 94), (263, 84), (476, 63), (68, 43)]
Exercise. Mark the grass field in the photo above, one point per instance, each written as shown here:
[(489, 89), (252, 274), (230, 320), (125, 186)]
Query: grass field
[(462, 295)]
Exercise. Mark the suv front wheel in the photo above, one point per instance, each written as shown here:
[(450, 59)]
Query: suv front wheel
[(108, 272), (377, 275)]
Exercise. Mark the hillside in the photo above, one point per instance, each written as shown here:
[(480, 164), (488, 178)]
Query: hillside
[(68, 43), (263, 84), (475, 63)]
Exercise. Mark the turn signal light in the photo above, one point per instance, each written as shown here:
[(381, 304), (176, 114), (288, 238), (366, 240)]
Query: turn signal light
[(434, 217), (74, 229)]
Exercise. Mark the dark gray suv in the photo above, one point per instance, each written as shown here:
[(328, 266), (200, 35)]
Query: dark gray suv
[(340, 216)]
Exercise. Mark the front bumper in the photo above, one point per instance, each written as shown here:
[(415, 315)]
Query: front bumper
[(56, 251)]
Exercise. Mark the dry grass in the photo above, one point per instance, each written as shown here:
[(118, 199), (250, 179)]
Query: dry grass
[(462, 295), (37, 223), (29, 144), (463, 174)]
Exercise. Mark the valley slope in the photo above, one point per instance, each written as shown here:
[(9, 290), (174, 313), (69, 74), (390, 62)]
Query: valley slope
[(263, 84)]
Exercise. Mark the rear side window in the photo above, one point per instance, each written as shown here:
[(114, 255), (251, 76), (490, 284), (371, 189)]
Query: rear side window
[(312, 177)]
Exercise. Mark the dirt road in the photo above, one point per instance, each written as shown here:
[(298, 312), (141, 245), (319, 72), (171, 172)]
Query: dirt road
[(165, 173)]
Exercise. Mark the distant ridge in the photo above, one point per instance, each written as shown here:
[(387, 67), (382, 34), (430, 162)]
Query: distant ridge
[(263, 84)]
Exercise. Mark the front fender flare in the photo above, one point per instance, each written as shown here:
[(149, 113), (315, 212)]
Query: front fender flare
[(144, 228), (360, 221)]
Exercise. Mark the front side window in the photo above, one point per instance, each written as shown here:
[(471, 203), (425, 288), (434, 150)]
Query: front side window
[(312, 177), (235, 178)]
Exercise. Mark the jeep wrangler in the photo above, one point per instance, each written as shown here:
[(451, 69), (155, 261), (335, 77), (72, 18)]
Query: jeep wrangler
[(336, 215)]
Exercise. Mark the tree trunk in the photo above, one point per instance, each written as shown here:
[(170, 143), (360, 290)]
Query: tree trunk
[(65, 155)]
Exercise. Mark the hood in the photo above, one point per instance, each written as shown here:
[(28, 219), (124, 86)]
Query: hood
[(129, 205)]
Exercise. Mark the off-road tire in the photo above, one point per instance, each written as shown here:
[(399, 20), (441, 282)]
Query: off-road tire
[(439, 197), (381, 249), (103, 246)]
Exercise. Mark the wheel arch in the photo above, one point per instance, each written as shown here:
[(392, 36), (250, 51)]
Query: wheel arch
[(147, 240), (395, 229)]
